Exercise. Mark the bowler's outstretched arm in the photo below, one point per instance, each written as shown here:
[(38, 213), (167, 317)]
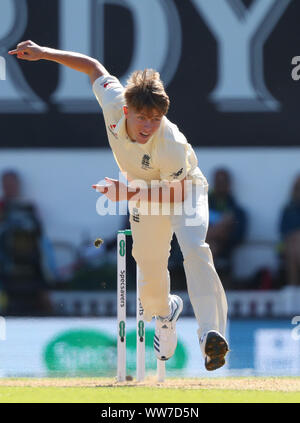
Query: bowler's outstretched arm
[(28, 50)]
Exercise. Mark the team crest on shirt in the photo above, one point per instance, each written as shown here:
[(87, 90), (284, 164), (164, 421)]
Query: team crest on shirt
[(111, 129), (146, 162), (176, 175)]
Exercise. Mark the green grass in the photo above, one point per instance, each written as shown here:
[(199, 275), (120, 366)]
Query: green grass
[(140, 394), (172, 391)]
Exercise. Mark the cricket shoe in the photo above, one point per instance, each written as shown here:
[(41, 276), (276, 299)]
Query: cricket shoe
[(215, 347), (165, 338)]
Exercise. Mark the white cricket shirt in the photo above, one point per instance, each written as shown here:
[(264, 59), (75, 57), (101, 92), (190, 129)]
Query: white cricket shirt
[(165, 156)]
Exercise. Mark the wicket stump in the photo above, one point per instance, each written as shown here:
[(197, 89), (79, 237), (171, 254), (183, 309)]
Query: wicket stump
[(140, 324)]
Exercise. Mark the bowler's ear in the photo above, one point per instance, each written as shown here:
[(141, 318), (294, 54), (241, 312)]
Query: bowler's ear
[(125, 110)]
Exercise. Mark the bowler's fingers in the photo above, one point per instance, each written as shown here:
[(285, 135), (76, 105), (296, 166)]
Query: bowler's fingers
[(113, 181), (21, 47), (19, 52), (24, 45), (22, 55), (100, 188)]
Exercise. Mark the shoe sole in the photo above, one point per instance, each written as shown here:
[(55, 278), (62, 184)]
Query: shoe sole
[(215, 348)]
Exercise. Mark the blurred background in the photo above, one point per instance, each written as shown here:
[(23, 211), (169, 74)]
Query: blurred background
[(227, 67)]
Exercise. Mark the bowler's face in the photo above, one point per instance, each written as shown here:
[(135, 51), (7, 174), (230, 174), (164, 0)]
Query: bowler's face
[(141, 125)]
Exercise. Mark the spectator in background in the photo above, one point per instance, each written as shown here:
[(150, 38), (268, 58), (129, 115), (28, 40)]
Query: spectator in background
[(22, 273), (227, 226), (290, 235)]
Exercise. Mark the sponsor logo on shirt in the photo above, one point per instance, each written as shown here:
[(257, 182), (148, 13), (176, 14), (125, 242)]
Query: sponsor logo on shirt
[(111, 129), (146, 162), (175, 175)]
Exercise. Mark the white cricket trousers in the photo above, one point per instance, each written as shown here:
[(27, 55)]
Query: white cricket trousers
[(152, 235)]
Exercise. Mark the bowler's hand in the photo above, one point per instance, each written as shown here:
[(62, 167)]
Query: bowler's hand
[(28, 50), (115, 190)]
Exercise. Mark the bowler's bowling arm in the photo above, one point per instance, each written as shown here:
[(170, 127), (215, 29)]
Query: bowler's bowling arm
[(28, 50), (76, 61)]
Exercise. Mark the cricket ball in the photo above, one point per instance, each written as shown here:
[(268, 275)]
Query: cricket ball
[(98, 242)]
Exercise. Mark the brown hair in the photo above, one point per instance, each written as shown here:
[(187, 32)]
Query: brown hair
[(145, 89)]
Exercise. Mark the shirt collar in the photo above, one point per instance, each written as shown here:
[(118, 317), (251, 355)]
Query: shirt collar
[(121, 129)]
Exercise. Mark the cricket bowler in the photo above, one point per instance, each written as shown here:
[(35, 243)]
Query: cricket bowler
[(156, 158)]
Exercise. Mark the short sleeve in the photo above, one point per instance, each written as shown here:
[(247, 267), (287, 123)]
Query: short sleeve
[(108, 90)]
